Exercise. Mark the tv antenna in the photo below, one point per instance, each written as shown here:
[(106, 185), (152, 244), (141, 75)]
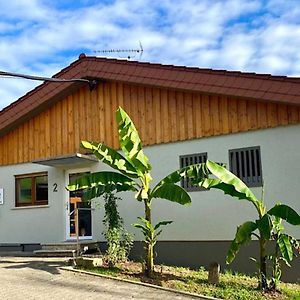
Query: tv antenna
[(129, 51)]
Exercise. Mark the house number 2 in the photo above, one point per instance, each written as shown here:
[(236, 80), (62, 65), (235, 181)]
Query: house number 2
[(55, 187)]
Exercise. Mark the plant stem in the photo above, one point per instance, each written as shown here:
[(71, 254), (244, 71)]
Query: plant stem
[(148, 245), (263, 264), (276, 267)]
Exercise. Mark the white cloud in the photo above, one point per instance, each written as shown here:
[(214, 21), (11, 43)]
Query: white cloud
[(38, 38)]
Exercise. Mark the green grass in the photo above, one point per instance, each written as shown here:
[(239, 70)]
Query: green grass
[(232, 286)]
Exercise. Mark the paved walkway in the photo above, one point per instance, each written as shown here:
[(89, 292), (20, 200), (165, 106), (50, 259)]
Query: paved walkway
[(41, 278)]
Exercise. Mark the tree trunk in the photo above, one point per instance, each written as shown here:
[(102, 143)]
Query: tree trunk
[(263, 265), (149, 267)]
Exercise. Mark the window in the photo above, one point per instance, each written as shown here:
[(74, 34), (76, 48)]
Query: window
[(245, 163), (190, 159), (32, 189)]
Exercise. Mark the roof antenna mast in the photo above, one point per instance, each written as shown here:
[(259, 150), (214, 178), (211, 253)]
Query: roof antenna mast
[(129, 51)]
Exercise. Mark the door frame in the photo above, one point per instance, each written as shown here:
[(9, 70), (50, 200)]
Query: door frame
[(67, 205)]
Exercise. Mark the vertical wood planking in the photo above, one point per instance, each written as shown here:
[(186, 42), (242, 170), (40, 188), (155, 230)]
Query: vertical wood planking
[(189, 115), (134, 108), (101, 119), (173, 116), (165, 116), (41, 134), (126, 99), (224, 115), (233, 115), (47, 134), (150, 126), (157, 116), (141, 112), (31, 140), (114, 106), (37, 140), (293, 114), (206, 115), (82, 117), (272, 114), (283, 114), (88, 113), (242, 114), (160, 115), (14, 150), (107, 113), (120, 94), (59, 129), (70, 120), (64, 125), (76, 108), (180, 116), (262, 115), (252, 114), (53, 131), (215, 113), (197, 117), (94, 115)]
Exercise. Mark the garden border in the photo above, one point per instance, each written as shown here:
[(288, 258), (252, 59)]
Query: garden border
[(71, 269)]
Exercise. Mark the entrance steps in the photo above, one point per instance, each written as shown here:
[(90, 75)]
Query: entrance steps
[(66, 249)]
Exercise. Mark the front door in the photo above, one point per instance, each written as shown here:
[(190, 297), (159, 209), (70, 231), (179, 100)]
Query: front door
[(79, 214)]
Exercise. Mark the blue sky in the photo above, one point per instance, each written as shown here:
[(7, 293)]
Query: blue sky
[(40, 37)]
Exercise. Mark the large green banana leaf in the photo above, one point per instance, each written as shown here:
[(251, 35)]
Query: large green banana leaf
[(265, 226), (242, 236), (195, 173), (111, 157), (130, 142), (228, 189), (229, 183), (96, 184), (285, 247), (171, 192), (286, 213)]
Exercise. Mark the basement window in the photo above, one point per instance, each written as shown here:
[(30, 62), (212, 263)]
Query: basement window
[(187, 160), (245, 163), (31, 189)]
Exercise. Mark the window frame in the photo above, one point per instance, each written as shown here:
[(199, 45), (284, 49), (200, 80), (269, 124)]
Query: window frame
[(248, 180), (184, 182), (33, 177)]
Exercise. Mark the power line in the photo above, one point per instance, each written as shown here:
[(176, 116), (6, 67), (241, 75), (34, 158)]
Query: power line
[(91, 83)]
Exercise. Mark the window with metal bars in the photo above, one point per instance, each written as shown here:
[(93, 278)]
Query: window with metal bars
[(187, 160), (245, 163)]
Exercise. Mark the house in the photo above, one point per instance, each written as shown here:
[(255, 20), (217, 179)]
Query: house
[(184, 115)]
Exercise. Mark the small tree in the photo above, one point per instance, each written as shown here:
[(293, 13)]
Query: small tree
[(267, 227), (134, 175), (119, 241)]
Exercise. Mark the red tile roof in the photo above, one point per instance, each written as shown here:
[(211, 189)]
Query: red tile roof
[(264, 87)]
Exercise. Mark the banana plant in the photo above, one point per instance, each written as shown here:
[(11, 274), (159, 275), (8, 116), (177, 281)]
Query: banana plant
[(264, 228), (133, 174), (286, 248)]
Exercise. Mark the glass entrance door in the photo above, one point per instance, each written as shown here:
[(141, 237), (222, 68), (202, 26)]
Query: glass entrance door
[(80, 224)]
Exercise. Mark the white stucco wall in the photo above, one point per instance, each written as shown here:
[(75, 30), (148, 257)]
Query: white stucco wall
[(212, 215), (31, 225)]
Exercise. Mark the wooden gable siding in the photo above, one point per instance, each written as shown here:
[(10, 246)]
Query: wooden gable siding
[(160, 115)]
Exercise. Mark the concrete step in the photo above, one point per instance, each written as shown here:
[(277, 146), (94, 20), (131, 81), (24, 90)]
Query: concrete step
[(54, 253), (90, 245)]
